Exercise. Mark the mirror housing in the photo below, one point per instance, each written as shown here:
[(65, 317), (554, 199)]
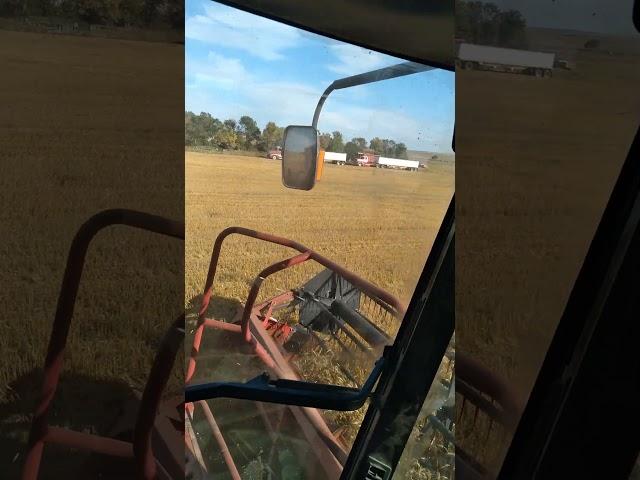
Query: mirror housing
[(300, 157), (320, 165)]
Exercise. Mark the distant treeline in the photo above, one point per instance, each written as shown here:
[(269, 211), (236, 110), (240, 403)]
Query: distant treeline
[(483, 23), (244, 134), (119, 13)]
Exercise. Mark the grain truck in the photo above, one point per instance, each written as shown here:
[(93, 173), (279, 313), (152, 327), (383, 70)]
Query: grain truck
[(509, 60)]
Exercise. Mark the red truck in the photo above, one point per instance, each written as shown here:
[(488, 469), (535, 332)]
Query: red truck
[(367, 159), (275, 154)]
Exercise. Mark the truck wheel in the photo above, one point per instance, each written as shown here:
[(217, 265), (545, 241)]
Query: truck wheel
[(538, 73), (273, 157), (547, 73), (468, 65)]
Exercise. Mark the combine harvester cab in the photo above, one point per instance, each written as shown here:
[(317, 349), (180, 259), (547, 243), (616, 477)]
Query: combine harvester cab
[(331, 330), (331, 342), (330, 335)]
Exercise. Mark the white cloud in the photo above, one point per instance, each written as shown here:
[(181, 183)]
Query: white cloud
[(282, 101), (354, 121), (225, 72), (352, 60), (234, 29), (287, 102)]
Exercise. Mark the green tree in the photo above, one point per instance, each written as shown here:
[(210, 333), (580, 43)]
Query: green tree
[(92, 11), (400, 151), (175, 14), (199, 129), (351, 149), (337, 143), (484, 23), (511, 29), (489, 23), (388, 147), (271, 136), (189, 128), (150, 10), (225, 138), (376, 144), (12, 8), (231, 124), (360, 142), (325, 140), (249, 132)]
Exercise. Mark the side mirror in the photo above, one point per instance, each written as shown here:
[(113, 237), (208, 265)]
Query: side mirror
[(299, 157)]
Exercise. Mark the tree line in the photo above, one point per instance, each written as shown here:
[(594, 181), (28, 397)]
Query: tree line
[(205, 130), (140, 13), (483, 23)]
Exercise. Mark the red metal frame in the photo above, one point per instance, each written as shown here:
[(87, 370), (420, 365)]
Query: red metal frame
[(251, 328), (488, 394), (305, 254), (478, 386), (41, 432), (254, 331)]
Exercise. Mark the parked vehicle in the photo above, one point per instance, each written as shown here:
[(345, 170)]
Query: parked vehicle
[(509, 60), (275, 154), (385, 162), (372, 160), (366, 159), (335, 158)]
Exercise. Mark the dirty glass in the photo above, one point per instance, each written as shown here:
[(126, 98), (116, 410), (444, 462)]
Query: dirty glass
[(540, 154), (430, 450), (370, 220)]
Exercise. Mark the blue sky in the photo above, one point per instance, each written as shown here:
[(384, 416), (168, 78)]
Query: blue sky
[(241, 64)]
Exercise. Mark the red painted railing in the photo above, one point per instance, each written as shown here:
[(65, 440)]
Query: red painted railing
[(265, 348), (41, 432)]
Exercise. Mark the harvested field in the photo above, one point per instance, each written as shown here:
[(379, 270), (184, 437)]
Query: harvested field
[(377, 223), (75, 140), (380, 224), (537, 161)]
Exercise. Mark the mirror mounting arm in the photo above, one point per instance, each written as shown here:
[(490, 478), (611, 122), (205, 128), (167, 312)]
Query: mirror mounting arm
[(324, 96), (386, 73)]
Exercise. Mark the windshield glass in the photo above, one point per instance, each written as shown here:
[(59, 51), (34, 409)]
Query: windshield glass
[(547, 107), (355, 244)]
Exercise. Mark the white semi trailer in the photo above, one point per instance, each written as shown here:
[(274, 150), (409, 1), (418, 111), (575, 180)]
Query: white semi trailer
[(386, 162), (481, 57), (335, 158)]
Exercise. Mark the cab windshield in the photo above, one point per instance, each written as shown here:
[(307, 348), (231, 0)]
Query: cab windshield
[(306, 285)]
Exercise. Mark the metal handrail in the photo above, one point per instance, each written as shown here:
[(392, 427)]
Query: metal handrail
[(305, 254), (41, 432)]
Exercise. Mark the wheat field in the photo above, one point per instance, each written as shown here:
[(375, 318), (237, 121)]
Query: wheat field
[(380, 224), (88, 124)]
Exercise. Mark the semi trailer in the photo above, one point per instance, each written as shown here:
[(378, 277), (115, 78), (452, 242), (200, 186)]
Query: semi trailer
[(385, 162), (509, 60), (371, 160)]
